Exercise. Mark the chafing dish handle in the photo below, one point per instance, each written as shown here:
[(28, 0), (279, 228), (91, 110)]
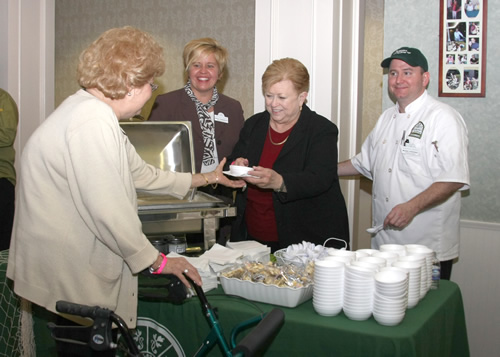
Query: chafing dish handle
[(193, 193)]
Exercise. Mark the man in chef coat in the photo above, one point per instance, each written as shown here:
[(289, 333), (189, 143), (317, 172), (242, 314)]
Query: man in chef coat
[(417, 157)]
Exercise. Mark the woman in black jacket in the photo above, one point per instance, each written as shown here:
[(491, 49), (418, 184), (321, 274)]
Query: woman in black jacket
[(294, 194)]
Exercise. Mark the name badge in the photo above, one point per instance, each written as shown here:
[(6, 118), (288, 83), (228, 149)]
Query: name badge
[(221, 118), (410, 150)]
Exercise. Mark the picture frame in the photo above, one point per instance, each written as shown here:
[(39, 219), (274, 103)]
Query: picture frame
[(462, 48)]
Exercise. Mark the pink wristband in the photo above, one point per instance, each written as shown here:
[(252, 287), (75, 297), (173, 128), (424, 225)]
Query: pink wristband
[(162, 265)]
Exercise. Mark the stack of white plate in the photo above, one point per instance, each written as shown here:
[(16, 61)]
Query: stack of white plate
[(418, 249), (328, 287), (358, 292), (414, 275), (391, 297)]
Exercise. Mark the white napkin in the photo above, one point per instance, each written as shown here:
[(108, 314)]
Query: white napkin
[(251, 250), (221, 255)]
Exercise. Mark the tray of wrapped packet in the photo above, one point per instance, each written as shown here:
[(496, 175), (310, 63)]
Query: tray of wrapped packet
[(283, 285)]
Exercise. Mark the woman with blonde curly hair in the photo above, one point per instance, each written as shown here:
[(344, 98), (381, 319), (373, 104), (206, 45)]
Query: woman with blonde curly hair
[(77, 235)]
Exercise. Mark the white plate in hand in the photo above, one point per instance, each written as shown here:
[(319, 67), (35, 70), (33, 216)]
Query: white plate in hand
[(237, 175)]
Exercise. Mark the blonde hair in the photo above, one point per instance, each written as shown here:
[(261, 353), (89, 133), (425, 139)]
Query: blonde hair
[(120, 59), (283, 69), (194, 49)]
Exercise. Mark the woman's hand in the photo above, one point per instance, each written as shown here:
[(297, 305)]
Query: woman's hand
[(240, 162), (178, 266), (264, 178), (215, 177), (223, 180)]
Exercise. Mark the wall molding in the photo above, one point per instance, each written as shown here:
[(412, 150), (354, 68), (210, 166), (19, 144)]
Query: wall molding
[(467, 224)]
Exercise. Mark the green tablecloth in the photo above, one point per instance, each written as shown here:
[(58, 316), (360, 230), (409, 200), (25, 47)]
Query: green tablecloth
[(435, 327)]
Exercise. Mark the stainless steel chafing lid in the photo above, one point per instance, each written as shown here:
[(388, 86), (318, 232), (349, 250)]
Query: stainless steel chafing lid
[(168, 146)]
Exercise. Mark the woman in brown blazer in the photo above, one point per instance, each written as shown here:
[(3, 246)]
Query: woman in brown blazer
[(216, 119)]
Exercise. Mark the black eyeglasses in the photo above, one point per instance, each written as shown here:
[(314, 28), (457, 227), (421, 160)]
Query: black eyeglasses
[(154, 86)]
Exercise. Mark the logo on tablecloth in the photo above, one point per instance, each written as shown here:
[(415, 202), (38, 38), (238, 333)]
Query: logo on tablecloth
[(154, 339)]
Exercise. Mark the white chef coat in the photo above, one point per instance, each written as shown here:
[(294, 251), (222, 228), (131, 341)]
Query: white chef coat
[(404, 154)]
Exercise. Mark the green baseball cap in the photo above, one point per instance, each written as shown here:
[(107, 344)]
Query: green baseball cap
[(410, 55)]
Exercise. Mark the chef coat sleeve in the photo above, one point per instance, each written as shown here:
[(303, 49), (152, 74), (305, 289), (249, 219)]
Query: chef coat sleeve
[(448, 154)]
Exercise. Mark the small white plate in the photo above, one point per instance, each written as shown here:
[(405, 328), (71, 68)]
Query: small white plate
[(235, 175)]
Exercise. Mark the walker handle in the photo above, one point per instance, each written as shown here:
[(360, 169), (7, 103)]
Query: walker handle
[(261, 335)]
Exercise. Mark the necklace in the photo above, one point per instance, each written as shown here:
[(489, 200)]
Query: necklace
[(271, 139)]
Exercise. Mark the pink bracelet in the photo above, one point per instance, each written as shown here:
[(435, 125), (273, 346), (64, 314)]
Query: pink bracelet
[(162, 265)]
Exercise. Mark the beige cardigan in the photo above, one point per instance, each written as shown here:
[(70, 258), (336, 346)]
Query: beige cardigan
[(77, 235)]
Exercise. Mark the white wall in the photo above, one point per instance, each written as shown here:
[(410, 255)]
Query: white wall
[(4, 35), (30, 58), (477, 274), (302, 31)]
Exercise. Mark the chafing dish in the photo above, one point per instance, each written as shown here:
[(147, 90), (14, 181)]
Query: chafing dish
[(169, 146)]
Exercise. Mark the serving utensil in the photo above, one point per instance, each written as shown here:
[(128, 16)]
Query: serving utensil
[(375, 230)]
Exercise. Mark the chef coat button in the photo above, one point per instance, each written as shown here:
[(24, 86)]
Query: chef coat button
[(390, 170), (219, 142), (374, 196), (383, 142), (387, 199), (396, 142)]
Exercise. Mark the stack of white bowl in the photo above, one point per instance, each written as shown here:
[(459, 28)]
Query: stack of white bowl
[(421, 261), (382, 283), (328, 287), (390, 257), (358, 291), (395, 248), (369, 265), (366, 251), (381, 262), (418, 249), (414, 276), (390, 299), (346, 256)]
